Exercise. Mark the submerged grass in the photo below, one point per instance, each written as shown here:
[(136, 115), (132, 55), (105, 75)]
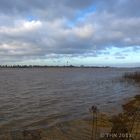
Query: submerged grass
[(132, 76)]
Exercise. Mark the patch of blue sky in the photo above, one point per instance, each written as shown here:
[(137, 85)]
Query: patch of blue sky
[(81, 16), (124, 50), (109, 57), (120, 55), (83, 13), (31, 18)]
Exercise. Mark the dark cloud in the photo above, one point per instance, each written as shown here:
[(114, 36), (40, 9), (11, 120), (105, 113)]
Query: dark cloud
[(122, 8), (44, 8)]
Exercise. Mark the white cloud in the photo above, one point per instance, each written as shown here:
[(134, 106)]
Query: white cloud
[(21, 27), (85, 31)]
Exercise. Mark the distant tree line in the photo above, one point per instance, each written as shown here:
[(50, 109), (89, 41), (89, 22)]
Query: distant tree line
[(30, 66), (46, 66), (20, 66)]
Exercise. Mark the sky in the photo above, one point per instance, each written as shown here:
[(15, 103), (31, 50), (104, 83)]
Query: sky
[(70, 32)]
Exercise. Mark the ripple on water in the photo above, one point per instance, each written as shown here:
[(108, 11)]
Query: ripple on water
[(55, 95)]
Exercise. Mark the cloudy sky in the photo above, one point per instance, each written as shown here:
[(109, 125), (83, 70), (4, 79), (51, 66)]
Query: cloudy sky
[(82, 32)]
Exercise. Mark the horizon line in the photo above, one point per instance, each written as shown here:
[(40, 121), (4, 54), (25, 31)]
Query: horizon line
[(64, 66)]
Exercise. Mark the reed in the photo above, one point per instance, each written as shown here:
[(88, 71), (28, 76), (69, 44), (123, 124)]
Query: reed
[(135, 76)]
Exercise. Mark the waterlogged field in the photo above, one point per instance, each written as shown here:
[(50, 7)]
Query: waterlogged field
[(56, 101)]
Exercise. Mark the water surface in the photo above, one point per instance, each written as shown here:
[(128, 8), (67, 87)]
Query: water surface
[(47, 96)]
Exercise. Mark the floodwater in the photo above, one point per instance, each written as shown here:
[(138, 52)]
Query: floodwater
[(44, 97)]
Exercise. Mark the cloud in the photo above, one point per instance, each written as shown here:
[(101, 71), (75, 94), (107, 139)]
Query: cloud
[(21, 27), (83, 32), (38, 29)]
